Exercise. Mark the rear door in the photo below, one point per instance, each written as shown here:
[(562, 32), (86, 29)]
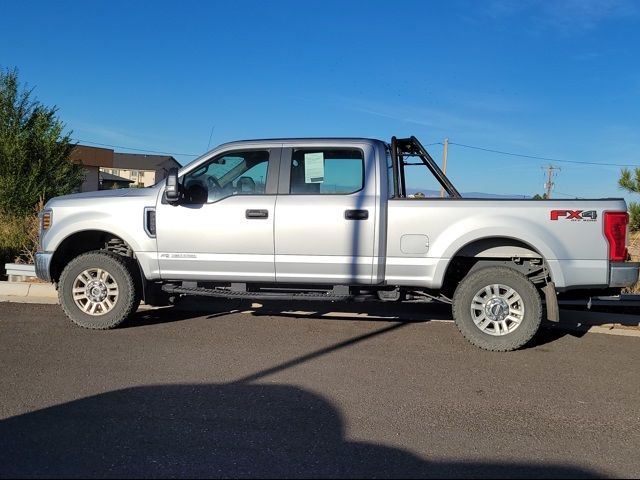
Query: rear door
[(325, 223)]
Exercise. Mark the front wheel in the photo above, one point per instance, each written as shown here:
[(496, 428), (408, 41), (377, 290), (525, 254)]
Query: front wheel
[(497, 309), (97, 290)]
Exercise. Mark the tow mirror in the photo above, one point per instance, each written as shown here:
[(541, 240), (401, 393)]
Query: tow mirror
[(172, 187)]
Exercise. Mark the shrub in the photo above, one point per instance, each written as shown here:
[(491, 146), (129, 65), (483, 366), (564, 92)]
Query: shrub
[(13, 237), (34, 150)]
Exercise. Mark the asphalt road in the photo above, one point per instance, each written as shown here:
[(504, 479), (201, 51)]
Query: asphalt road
[(271, 393)]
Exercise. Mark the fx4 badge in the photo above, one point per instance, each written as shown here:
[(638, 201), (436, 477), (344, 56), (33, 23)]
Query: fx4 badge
[(575, 215)]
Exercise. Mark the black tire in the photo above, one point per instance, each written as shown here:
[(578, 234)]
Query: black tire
[(472, 285), (122, 273)]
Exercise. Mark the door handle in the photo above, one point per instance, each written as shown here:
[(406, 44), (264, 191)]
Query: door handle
[(356, 214), (251, 214)]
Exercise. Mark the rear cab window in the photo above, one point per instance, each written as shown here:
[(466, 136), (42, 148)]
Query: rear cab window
[(326, 171)]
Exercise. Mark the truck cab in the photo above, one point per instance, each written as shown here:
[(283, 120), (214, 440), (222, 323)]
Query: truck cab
[(280, 211)]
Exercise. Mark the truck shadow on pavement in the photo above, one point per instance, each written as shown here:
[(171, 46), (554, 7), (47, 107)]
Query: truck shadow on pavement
[(572, 321), (230, 430), (371, 312)]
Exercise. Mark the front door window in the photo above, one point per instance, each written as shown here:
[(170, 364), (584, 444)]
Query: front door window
[(236, 173)]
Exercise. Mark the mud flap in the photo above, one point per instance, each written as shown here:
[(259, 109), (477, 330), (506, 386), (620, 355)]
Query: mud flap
[(551, 301)]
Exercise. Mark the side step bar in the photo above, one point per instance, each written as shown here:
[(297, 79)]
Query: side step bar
[(224, 293), (623, 300)]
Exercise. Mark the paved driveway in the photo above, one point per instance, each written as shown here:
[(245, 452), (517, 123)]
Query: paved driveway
[(274, 393)]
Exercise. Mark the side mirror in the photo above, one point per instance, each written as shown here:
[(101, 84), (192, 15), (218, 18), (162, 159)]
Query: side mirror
[(172, 187)]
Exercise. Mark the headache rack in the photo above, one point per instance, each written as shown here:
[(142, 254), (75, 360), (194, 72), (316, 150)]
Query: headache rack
[(403, 148)]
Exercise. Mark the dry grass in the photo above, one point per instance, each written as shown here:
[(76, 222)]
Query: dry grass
[(634, 250), (18, 238), (13, 237)]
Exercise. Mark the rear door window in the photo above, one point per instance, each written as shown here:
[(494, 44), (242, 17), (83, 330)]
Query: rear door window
[(326, 171)]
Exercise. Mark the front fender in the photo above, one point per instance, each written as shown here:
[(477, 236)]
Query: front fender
[(129, 227), (63, 228)]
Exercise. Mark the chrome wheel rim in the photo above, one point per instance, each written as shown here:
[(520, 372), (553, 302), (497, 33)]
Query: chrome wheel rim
[(95, 291), (497, 309)]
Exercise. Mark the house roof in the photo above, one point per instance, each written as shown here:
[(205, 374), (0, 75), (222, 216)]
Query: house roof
[(141, 161), (91, 156), (113, 178)]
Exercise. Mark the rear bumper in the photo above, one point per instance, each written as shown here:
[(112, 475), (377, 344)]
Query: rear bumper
[(43, 264), (623, 274)]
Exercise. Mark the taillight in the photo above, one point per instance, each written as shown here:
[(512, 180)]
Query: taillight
[(615, 229)]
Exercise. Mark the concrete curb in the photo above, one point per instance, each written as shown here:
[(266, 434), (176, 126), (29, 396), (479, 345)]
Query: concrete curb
[(41, 300), (28, 289)]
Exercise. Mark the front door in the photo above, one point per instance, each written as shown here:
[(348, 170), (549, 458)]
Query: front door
[(222, 229), (326, 215)]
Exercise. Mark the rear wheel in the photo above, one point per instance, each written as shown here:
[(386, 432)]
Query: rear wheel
[(97, 290), (497, 308)]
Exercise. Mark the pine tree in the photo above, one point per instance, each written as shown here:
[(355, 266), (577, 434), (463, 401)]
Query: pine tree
[(631, 183), (34, 150)]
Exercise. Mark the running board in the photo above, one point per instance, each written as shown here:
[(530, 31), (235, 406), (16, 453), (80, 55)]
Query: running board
[(223, 293)]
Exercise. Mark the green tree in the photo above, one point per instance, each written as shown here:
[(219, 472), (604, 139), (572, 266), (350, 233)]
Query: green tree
[(34, 150), (630, 181)]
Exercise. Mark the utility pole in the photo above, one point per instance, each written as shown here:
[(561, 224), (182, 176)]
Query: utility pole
[(445, 152), (548, 186)]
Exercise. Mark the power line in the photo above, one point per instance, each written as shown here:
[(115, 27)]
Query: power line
[(490, 150), (546, 159), (136, 149), (567, 194), (79, 140)]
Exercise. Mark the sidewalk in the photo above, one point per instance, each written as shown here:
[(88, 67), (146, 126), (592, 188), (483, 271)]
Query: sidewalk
[(573, 320), (28, 292)]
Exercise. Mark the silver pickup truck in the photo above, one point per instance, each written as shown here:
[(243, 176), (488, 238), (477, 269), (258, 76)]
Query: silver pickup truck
[(330, 219)]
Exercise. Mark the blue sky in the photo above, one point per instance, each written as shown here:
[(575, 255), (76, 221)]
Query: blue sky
[(557, 79)]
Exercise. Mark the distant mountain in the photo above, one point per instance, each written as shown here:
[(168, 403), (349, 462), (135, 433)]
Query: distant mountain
[(436, 193), (492, 195)]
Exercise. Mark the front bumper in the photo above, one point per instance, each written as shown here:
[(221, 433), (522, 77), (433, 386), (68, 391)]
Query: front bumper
[(43, 264), (623, 274)]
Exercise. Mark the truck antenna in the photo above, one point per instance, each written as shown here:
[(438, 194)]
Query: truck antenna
[(210, 135)]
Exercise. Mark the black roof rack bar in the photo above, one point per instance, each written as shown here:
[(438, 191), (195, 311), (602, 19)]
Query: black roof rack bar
[(403, 187), (394, 163), (412, 146)]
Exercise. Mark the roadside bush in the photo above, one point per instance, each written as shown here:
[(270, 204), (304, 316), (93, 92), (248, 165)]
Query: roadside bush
[(13, 238), (34, 150), (19, 237)]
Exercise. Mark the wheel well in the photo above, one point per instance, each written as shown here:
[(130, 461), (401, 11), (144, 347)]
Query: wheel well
[(496, 251), (86, 241)]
